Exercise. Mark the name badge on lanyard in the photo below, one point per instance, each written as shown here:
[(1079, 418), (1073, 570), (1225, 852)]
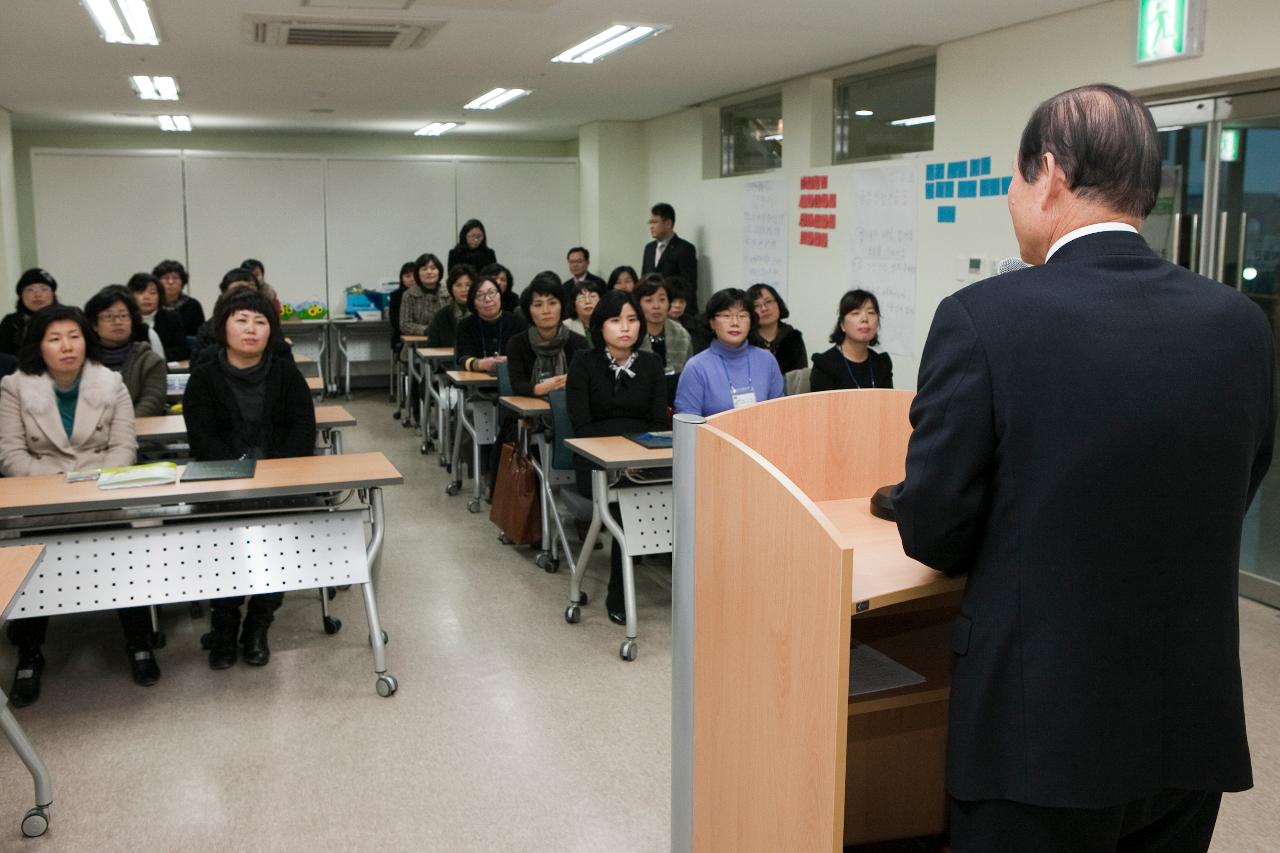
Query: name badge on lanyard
[(742, 396)]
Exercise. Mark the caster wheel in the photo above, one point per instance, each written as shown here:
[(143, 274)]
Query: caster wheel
[(396, 415), (387, 685), (443, 464), (543, 559), (206, 641), (473, 505), (332, 624), (423, 449), (573, 614), (35, 822), (552, 566), (158, 639), (386, 640), (332, 592), (503, 539), (453, 488), (627, 651)]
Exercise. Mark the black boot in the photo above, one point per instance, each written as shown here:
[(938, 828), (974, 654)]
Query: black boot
[(253, 640), (26, 679), (221, 641), (146, 672)]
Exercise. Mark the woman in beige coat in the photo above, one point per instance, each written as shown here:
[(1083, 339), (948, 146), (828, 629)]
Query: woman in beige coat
[(63, 411)]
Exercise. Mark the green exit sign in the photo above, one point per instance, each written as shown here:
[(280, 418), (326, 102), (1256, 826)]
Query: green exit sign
[(1229, 145), (1170, 29)]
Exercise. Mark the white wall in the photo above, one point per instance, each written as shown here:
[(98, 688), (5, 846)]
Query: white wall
[(10, 264)]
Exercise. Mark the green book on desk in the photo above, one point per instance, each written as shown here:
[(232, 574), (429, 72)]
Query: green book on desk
[(221, 469), (653, 440)]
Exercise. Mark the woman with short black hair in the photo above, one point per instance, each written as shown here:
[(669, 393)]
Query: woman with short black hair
[(851, 363), (163, 326), (783, 340), (614, 389), (623, 278), (114, 316), (506, 282), (472, 248), (36, 289), (444, 327), (63, 411), (538, 360), (173, 279), (482, 336), (246, 403), (730, 373)]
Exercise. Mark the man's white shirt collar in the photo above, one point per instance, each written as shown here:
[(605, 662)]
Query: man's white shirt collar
[(1096, 228)]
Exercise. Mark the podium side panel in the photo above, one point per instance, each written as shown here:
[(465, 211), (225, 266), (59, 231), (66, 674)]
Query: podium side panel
[(771, 660)]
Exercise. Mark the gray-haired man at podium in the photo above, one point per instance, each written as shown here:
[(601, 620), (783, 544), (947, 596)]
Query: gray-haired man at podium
[(1089, 432)]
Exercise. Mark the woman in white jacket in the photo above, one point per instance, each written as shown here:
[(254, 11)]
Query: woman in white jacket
[(63, 411)]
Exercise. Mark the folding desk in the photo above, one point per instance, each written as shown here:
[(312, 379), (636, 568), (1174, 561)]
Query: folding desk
[(422, 367), (330, 420), (646, 518), (288, 527), (359, 340), (477, 416), (16, 565), (310, 338)]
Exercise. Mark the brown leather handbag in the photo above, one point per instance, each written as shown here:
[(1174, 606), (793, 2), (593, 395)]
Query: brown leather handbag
[(517, 503)]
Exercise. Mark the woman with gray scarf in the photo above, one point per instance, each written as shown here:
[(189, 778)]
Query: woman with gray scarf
[(538, 359)]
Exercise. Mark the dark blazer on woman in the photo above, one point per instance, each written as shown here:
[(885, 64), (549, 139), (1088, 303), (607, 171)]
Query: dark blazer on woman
[(190, 314), (476, 338), (833, 372), (477, 259), (521, 359), (599, 405), (12, 328), (788, 348), (1088, 434), (172, 336), (212, 415)]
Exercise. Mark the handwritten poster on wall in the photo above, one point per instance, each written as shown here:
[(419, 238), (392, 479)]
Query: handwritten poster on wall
[(882, 248), (764, 234)]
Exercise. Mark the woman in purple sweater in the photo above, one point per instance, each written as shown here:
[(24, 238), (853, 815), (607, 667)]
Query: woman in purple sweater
[(730, 373)]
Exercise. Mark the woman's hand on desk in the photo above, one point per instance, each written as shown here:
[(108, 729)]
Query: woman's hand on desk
[(490, 364), (546, 386)]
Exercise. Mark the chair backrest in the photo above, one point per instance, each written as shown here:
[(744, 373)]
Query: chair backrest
[(796, 381), (504, 381), (562, 427)]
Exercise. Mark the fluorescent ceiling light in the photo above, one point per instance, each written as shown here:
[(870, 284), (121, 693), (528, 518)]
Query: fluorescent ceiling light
[(175, 123), (912, 122), (495, 98), (155, 88), (123, 21), (863, 113), (606, 42), (1169, 129), (437, 128)]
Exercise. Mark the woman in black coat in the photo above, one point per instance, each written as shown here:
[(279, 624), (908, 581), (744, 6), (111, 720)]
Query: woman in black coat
[(615, 389), (783, 340), (246, 403), (173, 279), (851, 363), (473, 247), (36, 290), (539, 359)]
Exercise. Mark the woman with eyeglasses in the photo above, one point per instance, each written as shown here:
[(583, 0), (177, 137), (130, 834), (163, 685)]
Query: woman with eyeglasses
[(585, 299), (36, 290), (730, 373), (851, 363), (173, 279), (114, 315), (782, 339), (482, 336)]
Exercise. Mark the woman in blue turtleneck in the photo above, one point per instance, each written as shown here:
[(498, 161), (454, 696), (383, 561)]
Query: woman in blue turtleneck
[(731, 373)]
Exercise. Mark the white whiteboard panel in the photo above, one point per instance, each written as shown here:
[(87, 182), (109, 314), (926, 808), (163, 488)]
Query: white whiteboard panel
[(100, 218), (529, 210), (257, 207), (382, 213)]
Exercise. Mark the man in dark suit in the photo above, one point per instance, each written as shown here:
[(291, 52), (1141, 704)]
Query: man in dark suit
[(579, 260), (1089, 432), (668, 254)]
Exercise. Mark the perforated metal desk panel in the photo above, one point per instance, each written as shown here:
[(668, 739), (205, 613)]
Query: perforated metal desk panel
[(174, 428)]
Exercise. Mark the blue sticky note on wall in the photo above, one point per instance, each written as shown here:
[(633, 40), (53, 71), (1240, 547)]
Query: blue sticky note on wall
[(946, 189), (989, 186), (967, 189), (986, 166), (1004, 185), (928, 190), (958, 169), (939, 171), (928, 172), (975, 166), (946, 213)]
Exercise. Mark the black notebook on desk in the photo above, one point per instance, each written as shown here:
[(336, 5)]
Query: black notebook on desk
[(222, 469), (652, 440)]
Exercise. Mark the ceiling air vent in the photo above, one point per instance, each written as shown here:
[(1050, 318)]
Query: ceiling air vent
[(383, 35)]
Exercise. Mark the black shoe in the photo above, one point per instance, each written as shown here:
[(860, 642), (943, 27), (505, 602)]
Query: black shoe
[(222, 654), (26, 678), (618, 617), (146, 672), (253, 642)]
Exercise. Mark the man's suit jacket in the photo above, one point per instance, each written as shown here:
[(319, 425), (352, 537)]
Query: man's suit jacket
[(572, 285), (679, 259), (1088, 436)]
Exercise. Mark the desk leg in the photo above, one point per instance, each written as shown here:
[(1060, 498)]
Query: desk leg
[(445, 422), (546, 560), (572, 614), (599, 486), (474, 504), (322, 359), (455, 456), (386, 684), (36, 820), (335, 441)]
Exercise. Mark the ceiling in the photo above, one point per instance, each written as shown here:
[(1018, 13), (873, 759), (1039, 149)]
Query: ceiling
[(57, 73)]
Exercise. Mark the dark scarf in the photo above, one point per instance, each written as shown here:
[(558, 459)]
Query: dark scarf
[(249, 387), (548, 356), (115, 357), (621, 370)]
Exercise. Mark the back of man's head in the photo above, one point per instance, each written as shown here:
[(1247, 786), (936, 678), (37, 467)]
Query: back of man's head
[(1104, 140)]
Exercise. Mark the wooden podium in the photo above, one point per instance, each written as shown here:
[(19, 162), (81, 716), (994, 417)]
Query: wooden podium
[(779, 568)]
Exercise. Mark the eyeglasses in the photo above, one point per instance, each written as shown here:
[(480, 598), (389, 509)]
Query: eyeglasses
[(587, 297), (486, 295), (765, 303), (114, 317), (726, 317)]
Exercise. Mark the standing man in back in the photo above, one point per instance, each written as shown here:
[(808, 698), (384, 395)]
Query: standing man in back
[(668, 254), (1089, 433)]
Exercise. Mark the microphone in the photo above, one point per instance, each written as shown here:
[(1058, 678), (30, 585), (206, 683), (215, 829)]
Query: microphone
[(1011, 265)]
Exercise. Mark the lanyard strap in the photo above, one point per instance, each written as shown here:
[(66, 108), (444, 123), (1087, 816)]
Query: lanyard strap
[(728, 379), (849, 369), (497, 342)]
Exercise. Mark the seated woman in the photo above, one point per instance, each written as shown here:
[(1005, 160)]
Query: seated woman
[(679, 309), (614, 389), (246, 403), (851, 363), (173, 279), (662, 335), (585, 299), (164, 326), (472, 249), (730, 373), (506, 283), (418, 307), (408, 277), (63, 411), (444, 326), (482, 335), (36, 289), (259, 271), (783, 340), (114, 316), (538, 360), (623, 278)]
